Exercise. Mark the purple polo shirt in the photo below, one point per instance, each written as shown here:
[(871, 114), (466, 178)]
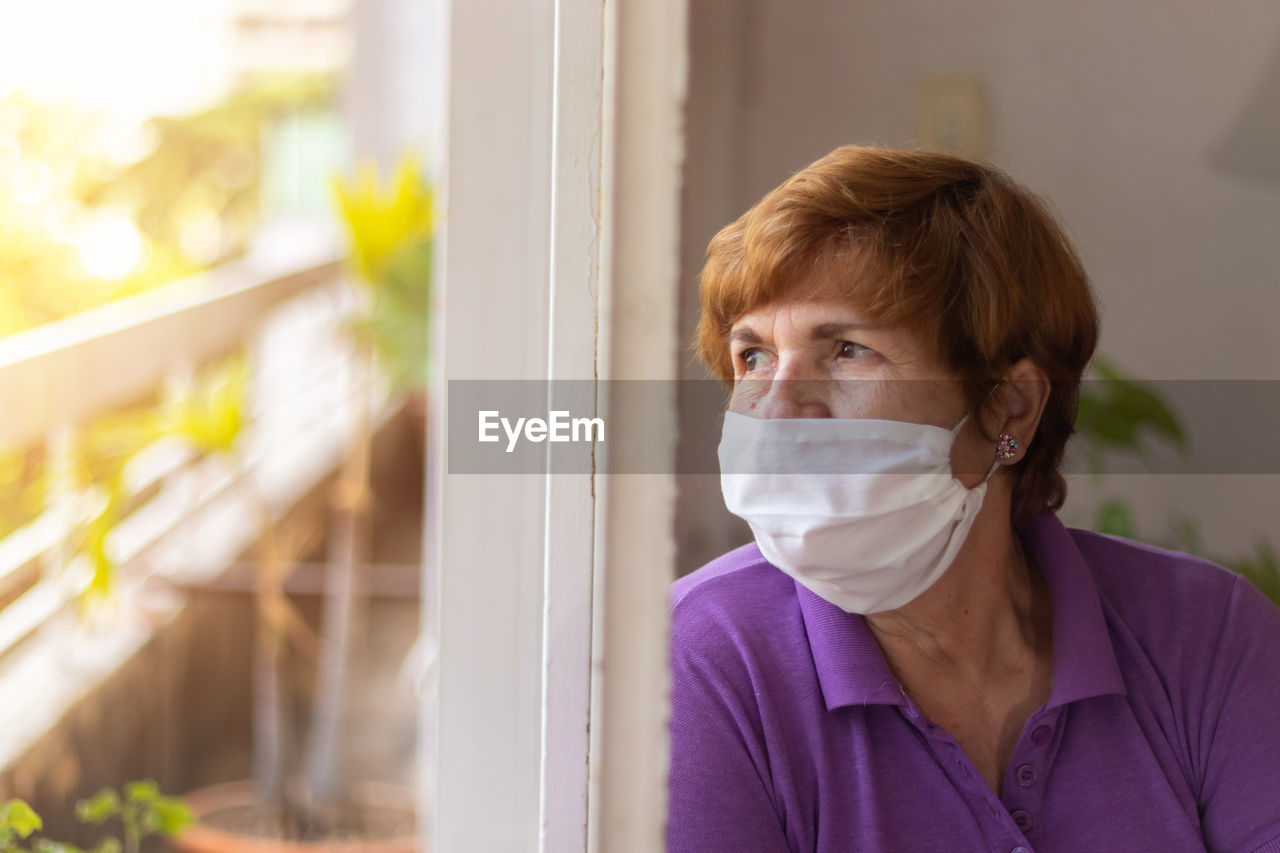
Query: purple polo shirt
[(1161, 733)]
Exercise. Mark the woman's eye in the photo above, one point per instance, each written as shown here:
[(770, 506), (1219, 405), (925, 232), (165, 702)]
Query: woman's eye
[(752, 359), (848, 349)]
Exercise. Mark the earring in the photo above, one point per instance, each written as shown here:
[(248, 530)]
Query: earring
[(1008, 447)]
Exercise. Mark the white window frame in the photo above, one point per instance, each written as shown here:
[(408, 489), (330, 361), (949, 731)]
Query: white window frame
[(558, 257)]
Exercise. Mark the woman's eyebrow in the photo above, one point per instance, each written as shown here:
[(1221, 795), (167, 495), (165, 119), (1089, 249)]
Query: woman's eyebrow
[(837, 330), (744, 335)]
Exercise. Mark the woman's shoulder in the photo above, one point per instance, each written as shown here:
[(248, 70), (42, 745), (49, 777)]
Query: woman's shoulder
[(1134, 575), (738, 577), (1177, 609), (1197, 645), (739, 596)]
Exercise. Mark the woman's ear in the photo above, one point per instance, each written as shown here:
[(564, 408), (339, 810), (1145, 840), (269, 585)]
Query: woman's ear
[(1024, 393)]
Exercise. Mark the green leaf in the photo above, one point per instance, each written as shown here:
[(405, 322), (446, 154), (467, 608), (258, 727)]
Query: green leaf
[(1116, 413), (108, 443), (94, 544), (1114, 519), (110, 844), (21, 817), (211, 416), (142, 791), (1109, 428), (100, 807), (45, 845), (171, 815), (1144, 409), (399, 322)]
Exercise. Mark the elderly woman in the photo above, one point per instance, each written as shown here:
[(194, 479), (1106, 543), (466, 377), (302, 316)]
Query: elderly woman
[(915, 654)]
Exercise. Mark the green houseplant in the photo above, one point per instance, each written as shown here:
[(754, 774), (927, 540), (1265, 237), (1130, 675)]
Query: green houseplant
[(141, 809), (1119, 415)]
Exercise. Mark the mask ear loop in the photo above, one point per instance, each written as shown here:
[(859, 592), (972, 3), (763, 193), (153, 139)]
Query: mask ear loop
[(995, 463), (955, 432)]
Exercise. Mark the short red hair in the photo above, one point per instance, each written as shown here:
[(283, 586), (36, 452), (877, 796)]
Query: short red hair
[(948, 248)]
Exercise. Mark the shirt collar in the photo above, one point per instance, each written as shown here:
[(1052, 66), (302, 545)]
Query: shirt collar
[(853, 671)]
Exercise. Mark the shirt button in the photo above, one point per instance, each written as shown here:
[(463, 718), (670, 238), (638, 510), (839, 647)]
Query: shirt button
[(1041, 734), (1027, 775), (1022, 818), (1019, 850)]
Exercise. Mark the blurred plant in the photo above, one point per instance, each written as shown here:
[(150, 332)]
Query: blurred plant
[(17, 818), (1119, 415), (389, 232), (397, 324), (384, 223), (207, 417), (94, 207), (1114, 518), (143, 811), (195, 196)]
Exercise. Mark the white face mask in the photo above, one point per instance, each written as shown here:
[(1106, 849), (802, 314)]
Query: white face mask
[(865, 513)]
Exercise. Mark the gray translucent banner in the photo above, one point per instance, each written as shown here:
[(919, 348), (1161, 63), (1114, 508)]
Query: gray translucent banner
[(1156, 427)]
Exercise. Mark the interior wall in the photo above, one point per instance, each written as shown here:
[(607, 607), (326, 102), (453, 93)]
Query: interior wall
[(1147, 126)]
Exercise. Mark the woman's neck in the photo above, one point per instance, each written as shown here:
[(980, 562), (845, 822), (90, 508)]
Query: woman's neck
[(983, 621)]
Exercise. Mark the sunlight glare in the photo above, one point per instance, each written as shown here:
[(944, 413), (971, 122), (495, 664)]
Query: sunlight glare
[(32, 182), (110, 247)]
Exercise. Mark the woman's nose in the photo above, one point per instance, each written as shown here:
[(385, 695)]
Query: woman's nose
[(794, 398)]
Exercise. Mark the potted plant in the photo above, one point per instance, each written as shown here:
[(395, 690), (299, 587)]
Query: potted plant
[(389, 231)]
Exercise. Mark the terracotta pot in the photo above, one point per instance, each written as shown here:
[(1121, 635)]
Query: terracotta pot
[(218, 806)]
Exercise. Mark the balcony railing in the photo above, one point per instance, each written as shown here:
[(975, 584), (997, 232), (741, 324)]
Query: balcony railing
[(189, 516)]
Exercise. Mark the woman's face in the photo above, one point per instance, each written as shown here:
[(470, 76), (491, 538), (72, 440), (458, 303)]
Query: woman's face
[(814, 356)]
